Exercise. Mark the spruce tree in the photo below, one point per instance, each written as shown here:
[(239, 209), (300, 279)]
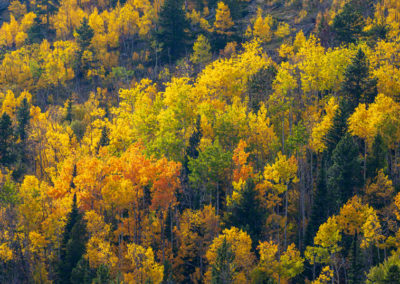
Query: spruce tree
[(68, 116), (338, 129), (376, 160), (356, 273), (7, 141), (73, 244), (348, 24), (318, 210), (221, 270), (82, 273), (84, 35), (102, 275), (248, 213), (23, 116), (171, 32), (344, 176), (358, 87)]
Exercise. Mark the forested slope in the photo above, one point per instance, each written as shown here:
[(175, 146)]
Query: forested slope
[(200, 141)]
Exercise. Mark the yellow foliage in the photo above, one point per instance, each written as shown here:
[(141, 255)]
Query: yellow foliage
[(223, 21), (319, 131), (325, 276), (143, 268), (240, 243)]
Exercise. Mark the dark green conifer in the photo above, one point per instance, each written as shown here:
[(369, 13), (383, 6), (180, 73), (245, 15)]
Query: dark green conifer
[(222, 270), (72, 245), (348, 24), (345, 174), (171, 33), (358, 87), (7, 140)]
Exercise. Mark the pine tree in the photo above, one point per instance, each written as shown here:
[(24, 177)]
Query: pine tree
[(7, 140), (191, 153), (348, 24), (222, 270), (344, 176), (339, 127), (356, 263), (171, 33), (104, 140), (82, 273), (73, 243), (68, 116), (318, 210), (23, 116), (102, 275), (377, 158), (260, 86), (46, 8), (248, 214), (358, 87), (84, 35)]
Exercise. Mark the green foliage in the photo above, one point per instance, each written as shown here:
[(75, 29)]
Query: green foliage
[(7, 140), (222, 270), (376, 160), (344, 176), (248, 213), (348, 24), (259, 276), (23, 116), (385, 272), (260, 86), (8, 193), (358, 87), (171, 33), (79, 128), (208, 171), (73, 248)]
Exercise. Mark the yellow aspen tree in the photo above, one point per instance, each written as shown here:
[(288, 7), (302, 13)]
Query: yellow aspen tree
[(223, 21), (201, 51)]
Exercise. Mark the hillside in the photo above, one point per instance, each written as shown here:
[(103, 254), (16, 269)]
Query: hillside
[(149, 141)]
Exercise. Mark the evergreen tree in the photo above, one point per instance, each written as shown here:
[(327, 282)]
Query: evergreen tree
[(344, 176), (348, 24), (191, 153), (23, 116), (68, 116), (222, 270), (358, 87), (376, 160), (338, 129), (102, 275), (72, 245), (46, 8), (7, 140), (318, 210), (36, 33), (260, 86), (171, 32), (84, 35), (356, 273), (82, 273), (393, 275), (104, 140), (248, 214)]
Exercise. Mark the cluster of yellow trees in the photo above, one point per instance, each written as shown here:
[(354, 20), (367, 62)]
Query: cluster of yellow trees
[(165, 172)]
